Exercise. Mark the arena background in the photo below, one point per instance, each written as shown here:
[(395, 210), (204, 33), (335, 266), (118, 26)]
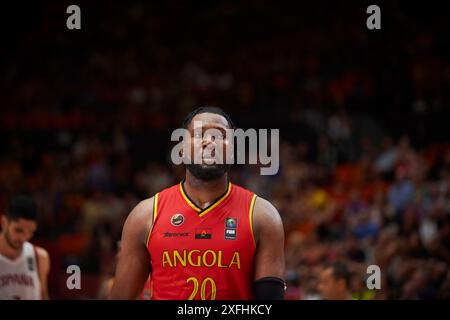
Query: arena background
[(86, 117)]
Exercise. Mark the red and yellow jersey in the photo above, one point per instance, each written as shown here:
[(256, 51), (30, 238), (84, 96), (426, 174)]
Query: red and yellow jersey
[(205, 253)]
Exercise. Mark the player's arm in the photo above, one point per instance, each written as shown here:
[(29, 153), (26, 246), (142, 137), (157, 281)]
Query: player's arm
[(133, 266), (44, 269), (269, 260)]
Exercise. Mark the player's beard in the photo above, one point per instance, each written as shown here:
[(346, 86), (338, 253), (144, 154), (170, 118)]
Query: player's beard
[(208, 172)]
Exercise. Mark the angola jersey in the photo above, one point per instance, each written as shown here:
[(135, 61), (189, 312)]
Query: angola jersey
[(19, 278), (205, 253)]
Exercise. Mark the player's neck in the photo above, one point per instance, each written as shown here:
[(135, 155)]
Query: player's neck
[(6, 250), (203, 193)]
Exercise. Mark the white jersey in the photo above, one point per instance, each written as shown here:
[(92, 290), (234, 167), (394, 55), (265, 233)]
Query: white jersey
[(19, 278)]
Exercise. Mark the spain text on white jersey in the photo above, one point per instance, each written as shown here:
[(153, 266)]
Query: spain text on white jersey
[(19, 278)]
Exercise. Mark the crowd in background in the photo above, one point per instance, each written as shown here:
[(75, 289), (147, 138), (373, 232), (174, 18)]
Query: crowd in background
[(364, 174)]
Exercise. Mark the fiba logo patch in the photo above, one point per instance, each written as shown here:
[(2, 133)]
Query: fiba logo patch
[(177, 219), (230, 228)]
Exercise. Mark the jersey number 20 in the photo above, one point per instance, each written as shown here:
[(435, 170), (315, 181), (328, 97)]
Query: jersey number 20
[(203, 288)]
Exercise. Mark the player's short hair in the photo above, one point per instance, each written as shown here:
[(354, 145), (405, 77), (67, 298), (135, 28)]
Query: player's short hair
[(22, 207), (207, 109), (340, 271)]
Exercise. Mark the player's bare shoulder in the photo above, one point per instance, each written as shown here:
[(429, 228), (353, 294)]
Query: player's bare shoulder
[(43, 257), (266, 219), (140, 219)]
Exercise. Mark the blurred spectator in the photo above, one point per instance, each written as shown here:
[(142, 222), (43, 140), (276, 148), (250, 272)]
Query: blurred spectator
[(335, 282)]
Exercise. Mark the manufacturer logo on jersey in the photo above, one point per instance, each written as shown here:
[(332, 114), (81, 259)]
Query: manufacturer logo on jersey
[(204, 233), (231, 223), (175, 234), (177, 219), (230, 234)]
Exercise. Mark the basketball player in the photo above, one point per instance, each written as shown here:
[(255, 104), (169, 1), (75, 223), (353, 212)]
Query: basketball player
[(204, 238), (334, 282), (24, 267)]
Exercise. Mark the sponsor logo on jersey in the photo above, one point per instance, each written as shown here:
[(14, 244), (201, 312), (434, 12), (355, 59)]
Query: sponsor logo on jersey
[(204, 233), (231, 223), (177, 219)]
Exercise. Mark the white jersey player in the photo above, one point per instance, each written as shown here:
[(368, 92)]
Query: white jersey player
[(24, 267)]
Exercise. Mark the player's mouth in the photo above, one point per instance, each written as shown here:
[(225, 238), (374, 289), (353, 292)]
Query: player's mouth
[(209, 160)]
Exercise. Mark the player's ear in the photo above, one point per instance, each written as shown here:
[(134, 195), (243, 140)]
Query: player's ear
[(185, 150)]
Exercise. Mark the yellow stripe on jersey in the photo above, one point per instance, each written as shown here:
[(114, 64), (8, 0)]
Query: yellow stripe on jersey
[(155, 213), (188, 200), (250, 217), (201, 212)]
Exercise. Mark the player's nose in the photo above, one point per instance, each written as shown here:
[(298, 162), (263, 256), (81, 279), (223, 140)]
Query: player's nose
[(208, 140)]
